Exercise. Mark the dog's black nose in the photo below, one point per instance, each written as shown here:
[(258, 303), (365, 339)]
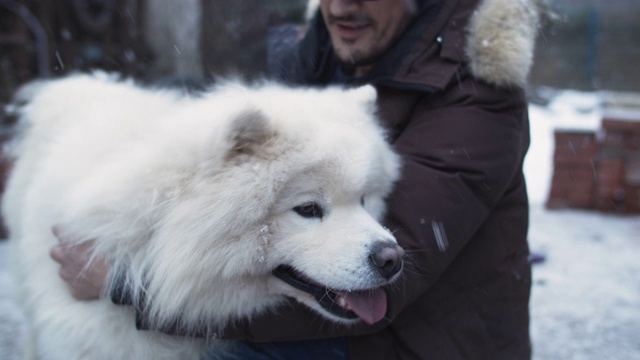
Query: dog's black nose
[(386, 257)]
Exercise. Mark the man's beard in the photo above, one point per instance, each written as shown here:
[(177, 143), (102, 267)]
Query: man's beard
[(354, 59), (357, 60)]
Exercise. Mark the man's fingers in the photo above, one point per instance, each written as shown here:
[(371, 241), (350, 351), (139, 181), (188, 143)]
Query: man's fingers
[(57, 254), (63, 239), (57, 232), (67, 275), (85, 276), (64, 254)]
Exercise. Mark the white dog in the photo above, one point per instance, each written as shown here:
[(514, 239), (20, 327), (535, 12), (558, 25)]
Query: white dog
[(218, 206)]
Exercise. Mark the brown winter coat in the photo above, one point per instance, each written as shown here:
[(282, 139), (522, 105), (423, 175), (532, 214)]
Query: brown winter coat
[(450, 93)]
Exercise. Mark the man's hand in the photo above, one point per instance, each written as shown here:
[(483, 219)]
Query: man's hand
[(85, 276)]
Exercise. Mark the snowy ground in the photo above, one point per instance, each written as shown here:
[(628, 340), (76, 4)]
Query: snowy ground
[(586, 295)]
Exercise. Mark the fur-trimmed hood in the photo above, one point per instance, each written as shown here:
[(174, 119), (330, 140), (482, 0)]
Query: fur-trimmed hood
[(501, 39), (493, 40)]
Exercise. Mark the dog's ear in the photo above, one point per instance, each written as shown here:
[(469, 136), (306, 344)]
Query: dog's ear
[(250, 130)]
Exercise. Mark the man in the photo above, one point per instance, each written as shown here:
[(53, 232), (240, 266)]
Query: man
[(449, 76)]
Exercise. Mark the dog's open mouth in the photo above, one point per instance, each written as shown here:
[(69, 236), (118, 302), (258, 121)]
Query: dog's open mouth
[(369, 305)]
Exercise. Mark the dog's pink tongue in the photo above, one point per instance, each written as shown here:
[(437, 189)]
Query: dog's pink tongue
[(369, 305)]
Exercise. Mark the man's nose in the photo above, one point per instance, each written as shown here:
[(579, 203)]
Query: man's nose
[(339, 8)]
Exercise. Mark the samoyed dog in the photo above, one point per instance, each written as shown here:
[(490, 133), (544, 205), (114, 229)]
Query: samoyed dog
[(218, 207)]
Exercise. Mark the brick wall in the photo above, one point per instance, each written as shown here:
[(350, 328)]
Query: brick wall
[(572, 185), (599, 171)]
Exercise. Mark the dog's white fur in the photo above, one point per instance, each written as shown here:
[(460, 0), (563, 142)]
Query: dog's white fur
[(194, 197)]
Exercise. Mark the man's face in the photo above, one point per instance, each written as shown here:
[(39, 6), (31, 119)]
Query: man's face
[(361, 30)]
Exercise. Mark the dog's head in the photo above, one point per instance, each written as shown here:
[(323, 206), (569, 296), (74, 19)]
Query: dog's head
[(327, 249), (329, 170), (283, 201)]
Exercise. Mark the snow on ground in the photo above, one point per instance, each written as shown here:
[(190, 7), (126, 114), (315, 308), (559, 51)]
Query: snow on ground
[(585, 301), (12, 326), (586, 296)]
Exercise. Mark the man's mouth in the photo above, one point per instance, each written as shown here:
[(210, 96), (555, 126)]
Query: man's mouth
[(370, 305), (350, 27), (350, 30)]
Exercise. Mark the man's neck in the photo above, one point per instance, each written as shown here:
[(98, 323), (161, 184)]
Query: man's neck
[(361, 71)]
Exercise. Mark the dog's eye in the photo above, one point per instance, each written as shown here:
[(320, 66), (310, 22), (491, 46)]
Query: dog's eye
[(362, 200), (309, 210)]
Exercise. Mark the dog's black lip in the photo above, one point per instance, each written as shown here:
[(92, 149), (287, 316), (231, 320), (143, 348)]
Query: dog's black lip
[(323, 295)]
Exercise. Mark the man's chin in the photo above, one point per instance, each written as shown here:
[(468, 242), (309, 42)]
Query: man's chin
[(356, 60)]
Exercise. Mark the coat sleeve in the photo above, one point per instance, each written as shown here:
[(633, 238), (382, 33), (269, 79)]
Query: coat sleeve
[(460, 152), (459, 160)]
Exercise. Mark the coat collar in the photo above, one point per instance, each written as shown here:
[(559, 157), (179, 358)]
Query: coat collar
[(493, 39)]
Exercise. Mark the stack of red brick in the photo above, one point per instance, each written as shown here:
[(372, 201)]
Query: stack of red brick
[(600, 170)]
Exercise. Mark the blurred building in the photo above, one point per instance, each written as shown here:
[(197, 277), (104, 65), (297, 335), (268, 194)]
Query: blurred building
[(146, 39), (593, 45)]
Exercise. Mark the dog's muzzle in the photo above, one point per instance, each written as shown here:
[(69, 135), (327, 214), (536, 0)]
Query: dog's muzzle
[(370, 305)]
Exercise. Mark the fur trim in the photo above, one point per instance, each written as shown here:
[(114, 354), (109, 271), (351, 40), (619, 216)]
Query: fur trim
[(312, 7), (501, 40)]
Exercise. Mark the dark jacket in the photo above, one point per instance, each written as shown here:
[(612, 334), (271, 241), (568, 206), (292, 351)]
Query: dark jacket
[(450, 93)]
